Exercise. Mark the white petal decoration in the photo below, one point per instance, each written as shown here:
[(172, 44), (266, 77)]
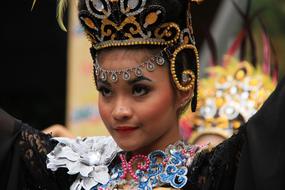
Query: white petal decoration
[(77, 184), (73, 168), (88, 183), (101, 173), (88, 157), (68, 153), (54, 165), (91, 158), (85, 170)]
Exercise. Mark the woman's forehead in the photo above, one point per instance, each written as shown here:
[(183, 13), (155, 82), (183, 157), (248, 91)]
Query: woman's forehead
[(122, 57), (129, 51)]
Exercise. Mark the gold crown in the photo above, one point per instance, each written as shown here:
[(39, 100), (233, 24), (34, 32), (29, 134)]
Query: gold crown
[(110, 23), (229, 96)]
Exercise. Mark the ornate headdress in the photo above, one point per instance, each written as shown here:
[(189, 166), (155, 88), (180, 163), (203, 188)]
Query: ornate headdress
[(235, 90), (160, 23), (228, 98)]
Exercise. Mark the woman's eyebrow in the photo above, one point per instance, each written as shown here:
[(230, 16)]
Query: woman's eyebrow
[(103, 82), (137, 79)]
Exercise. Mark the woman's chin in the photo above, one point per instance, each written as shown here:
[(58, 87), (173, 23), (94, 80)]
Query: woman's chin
[(127, 145)]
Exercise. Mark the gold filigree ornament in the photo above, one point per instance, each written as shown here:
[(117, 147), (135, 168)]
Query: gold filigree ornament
[(132, 24), (188, 77)]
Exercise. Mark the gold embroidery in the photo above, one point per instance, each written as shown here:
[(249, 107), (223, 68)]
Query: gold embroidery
[(129, 20)]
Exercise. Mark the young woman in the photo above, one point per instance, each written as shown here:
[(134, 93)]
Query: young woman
[(146, 70)]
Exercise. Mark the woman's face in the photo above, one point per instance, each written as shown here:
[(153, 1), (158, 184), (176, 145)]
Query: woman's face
[(141, 113)]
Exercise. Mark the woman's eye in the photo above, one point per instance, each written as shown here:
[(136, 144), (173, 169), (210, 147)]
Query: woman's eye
[(105, 91), (140, 90)]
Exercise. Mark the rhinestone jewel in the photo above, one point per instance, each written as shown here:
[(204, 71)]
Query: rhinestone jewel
[(98, 5), (126, 75), (114, 77), (96, 72), (185, 78), (160, 61), (138, 72), (103, 76), (150, 66), (97, 69), (97, 66), (133, 4)]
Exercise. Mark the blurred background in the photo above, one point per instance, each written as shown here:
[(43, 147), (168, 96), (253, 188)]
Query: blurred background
[(37, 80)]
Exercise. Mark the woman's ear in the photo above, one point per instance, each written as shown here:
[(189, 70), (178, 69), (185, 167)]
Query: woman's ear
[(184, 97)]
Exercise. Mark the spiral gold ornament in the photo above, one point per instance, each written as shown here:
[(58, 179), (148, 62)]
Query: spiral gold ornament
[(186, 84)]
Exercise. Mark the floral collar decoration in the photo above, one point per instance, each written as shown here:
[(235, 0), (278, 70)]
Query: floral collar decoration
[(93, 160)]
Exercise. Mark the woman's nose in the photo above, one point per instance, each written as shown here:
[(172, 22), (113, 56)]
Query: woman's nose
[(122, 111)]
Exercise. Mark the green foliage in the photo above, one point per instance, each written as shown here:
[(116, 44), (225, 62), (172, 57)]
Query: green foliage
[(273, 17)]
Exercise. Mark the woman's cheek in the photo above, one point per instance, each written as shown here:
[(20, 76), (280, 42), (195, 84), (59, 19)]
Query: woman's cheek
[(157, 107), (104, 111)]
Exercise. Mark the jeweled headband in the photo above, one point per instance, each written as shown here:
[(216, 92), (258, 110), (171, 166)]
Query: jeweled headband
[(163, 23)]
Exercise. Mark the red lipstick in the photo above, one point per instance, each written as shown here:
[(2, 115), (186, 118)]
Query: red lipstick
[(125, 129)]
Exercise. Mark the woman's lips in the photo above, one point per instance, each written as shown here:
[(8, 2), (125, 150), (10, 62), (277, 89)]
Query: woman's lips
[(125, 129)]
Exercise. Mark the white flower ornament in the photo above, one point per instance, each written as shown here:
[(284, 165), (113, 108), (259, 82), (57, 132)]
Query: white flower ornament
[(88, 157)]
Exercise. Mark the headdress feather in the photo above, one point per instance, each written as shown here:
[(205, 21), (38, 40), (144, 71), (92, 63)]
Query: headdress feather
[(61, 6), (33, 5)]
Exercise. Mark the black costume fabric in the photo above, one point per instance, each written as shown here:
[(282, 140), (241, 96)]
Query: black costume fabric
[(252, 159)]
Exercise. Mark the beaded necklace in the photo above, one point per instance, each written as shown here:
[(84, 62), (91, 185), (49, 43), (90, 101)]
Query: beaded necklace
[(159, 168)]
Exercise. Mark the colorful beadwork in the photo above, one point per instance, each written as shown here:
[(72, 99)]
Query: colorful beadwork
[(159, 168)]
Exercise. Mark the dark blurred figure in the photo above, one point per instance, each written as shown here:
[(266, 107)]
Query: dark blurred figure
[(33, 66)]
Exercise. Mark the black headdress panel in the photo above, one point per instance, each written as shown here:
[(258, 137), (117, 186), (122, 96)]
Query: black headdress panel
[(133, 22)]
